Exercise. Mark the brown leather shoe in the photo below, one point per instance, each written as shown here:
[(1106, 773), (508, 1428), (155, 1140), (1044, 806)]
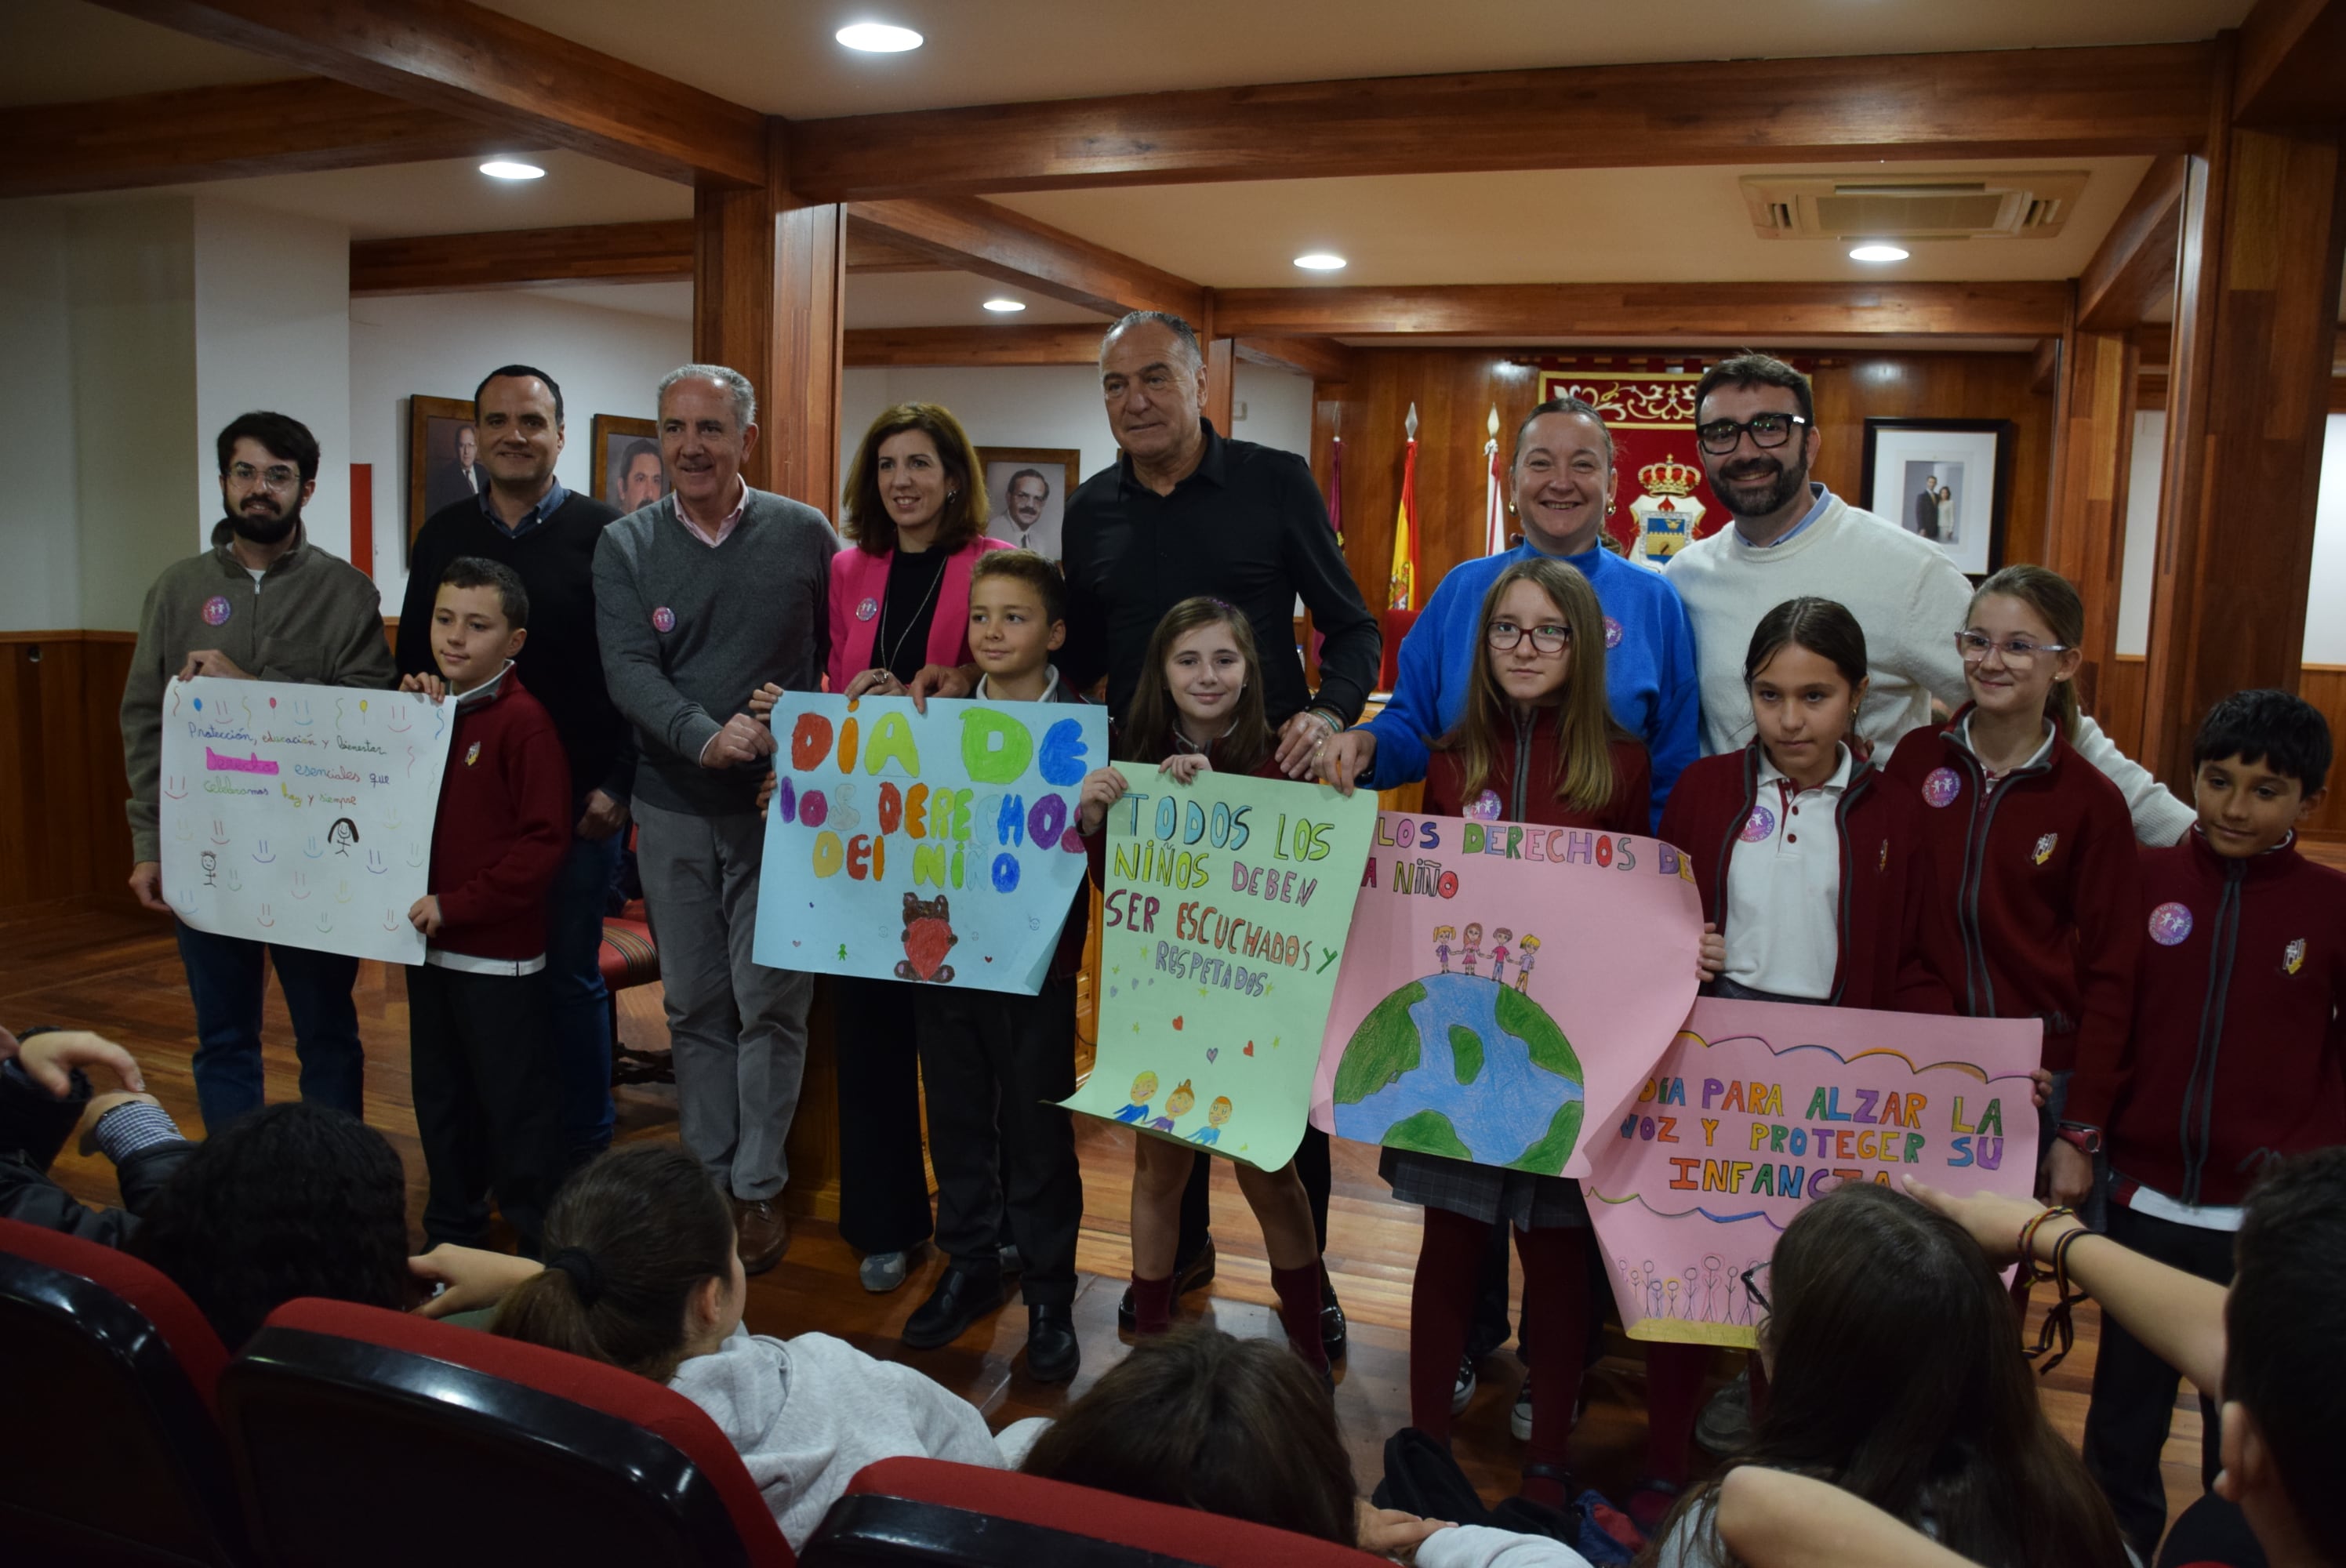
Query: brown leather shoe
[(760, 1234)]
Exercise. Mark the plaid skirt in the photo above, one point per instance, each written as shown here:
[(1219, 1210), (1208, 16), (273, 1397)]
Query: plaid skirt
[(1487, 1193)]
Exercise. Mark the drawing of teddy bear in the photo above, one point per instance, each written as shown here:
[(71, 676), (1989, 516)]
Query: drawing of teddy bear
[(928, 937)]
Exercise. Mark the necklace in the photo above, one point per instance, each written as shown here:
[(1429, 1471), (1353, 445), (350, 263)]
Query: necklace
[(879, 637)]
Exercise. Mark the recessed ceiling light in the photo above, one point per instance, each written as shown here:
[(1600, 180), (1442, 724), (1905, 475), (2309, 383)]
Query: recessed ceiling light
[(1321, 261), (507, 169), (877, 38), (1005, 307), (1878, 251)]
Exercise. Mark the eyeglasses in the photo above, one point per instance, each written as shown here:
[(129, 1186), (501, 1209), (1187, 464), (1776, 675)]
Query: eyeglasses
[(1505, 635), (1768, 431), (2019, 653), (1751, 1287), (276, 476)]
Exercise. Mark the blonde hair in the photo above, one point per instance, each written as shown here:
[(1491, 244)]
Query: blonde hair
[(1153, 719), (2056, 601), (1585, 728)]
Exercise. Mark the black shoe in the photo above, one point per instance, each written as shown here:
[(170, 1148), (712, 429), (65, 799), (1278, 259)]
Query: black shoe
[(1052, 1353), (1333, 1330), (960, 1299), (1194, 1275)]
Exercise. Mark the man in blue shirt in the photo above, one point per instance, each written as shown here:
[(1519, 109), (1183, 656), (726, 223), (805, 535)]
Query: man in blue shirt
[(1562, 480)]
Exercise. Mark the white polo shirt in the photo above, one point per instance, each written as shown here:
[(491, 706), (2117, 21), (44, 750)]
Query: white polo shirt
[(1783, 886)]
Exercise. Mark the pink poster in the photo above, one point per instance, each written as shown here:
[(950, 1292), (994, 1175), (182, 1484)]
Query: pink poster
[(1506, 986), (1759, 1107)]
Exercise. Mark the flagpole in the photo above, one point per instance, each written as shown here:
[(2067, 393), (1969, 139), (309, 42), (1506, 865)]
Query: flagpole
[(1403, 586), (1494, 516)]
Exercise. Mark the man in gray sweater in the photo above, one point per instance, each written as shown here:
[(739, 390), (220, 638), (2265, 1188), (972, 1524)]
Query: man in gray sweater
[(700, 598)]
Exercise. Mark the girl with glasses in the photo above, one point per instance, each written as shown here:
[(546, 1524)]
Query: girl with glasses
[(2035, 845)]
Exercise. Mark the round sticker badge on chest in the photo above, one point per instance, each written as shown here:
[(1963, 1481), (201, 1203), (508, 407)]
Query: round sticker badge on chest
[(1612, 633), (1484, 807), (1760, 825), (216, 610), (867, 609), (663, 620), (2169, 924), (1943, 786)]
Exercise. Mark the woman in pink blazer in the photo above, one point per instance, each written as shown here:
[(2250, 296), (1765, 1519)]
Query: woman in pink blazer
[(914, 508)]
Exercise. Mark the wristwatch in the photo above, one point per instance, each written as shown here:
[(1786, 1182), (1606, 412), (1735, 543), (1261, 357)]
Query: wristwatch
[(2086, 1140)]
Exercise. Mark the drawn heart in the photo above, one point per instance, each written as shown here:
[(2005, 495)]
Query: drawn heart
[(1212, 1051), (794, 941), (1176, 1024), (989, 958), (926, 943), (1250, 1049)]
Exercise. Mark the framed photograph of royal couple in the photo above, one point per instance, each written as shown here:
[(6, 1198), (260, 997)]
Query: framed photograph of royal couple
[(1027, 494), (1946, 480)]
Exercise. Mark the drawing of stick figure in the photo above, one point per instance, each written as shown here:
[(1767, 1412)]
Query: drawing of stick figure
[(1499, 940), (211, 863), (1525, 951), (1473, 953), (1444, 935), (1653, 1292), (1711, 1282), (342, 835), (1670, 1295), (1691, 1275)]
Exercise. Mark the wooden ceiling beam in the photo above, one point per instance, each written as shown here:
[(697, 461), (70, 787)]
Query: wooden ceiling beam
[(2133, 272), (871, 249), (2045, 371), (1729, 312), (657, 252), (1035, 345), (1321, 359), (2018, 102), (1008, 247), (225, 132), (2292, 64), (465, 60)]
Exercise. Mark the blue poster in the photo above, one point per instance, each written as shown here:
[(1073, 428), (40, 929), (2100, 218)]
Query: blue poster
[(936, 848)]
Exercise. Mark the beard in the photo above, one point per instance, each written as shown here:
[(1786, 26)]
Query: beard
[(1761, 490), (264, 530)]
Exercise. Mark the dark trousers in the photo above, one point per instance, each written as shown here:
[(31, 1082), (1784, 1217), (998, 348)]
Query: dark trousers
[(227, 980), (2134, 1390), (579, 1003), (1004, 1152), (487, 1097), (883, 1191), (1311, 1163)]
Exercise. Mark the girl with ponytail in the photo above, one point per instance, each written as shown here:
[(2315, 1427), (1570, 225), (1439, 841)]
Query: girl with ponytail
[(641, 1272)]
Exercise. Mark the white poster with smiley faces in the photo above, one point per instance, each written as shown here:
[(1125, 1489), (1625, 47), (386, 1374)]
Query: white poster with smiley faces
[(301, 814)]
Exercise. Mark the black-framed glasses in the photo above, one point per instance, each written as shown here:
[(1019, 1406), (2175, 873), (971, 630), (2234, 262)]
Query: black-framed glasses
[(1767, 431), (2020, 653), (1505, 634), (1751, 1287)]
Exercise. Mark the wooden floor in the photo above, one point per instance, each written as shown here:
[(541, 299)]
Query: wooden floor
[(104, 965)]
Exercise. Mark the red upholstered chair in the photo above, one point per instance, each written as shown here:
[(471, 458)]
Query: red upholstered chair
[(903, 1512), (366, 1436), (109, 1371), (1396, 625)]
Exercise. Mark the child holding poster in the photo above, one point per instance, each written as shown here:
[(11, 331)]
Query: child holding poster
[(482, 1062), (1198, 705), (996, 1063), (2037, 846)]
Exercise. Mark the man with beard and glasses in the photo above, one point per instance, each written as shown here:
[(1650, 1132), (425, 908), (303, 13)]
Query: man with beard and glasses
[(1755, 423), (263, 603)]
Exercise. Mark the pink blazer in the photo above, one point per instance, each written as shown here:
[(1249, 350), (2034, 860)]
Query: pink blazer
[(858, 577)]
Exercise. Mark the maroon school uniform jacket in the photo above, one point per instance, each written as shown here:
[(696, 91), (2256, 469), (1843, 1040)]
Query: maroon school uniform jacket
[(1896, 943), (2238, 1055), (1522, 785), (2046, 896), (504, 825)]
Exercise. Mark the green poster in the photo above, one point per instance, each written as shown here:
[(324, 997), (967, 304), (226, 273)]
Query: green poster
[(1225, 913)]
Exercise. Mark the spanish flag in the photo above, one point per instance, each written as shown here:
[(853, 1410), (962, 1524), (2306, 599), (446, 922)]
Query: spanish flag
[(1403, 592)]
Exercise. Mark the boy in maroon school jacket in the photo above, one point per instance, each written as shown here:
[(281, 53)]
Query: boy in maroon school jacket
[(2238, 1055), (482, 1063)]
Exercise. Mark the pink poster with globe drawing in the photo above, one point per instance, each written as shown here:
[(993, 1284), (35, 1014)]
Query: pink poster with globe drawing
[(1506, 987)]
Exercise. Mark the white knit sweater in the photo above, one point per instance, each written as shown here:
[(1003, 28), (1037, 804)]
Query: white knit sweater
[(1911, 600)]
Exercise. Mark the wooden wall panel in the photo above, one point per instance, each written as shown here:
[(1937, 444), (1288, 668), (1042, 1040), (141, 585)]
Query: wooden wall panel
[(2119, 711), (2117, 706), (62, 828), (1454, 390)]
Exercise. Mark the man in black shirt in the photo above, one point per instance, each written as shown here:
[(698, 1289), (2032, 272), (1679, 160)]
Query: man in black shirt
[(527, 520)]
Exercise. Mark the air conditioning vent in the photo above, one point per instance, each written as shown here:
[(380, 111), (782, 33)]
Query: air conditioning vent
[(2032, 204)]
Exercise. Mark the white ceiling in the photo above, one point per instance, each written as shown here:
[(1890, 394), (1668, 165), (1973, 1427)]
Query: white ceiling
[(874, 299), (777, 56)]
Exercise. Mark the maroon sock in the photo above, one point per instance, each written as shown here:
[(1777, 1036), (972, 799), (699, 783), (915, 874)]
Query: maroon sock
[(1441, 1313), (1152, 1305), (1556, 1298), (1298, 1311), (1674, 1375)]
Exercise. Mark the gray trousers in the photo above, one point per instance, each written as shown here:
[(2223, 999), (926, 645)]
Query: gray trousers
[(738, 1028)]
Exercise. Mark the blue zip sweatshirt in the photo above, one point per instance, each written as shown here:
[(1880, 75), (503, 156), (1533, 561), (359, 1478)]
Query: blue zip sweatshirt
[(1650, 667)]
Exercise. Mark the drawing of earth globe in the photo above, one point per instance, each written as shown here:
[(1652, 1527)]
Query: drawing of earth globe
[(1462, 1066)]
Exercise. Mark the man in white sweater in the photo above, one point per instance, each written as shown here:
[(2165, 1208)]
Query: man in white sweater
[(1790, 536)]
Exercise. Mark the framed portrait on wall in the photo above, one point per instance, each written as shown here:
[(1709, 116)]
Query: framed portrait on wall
[(1027, 494), (628, 471), (1946, 480), (443, 457)]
